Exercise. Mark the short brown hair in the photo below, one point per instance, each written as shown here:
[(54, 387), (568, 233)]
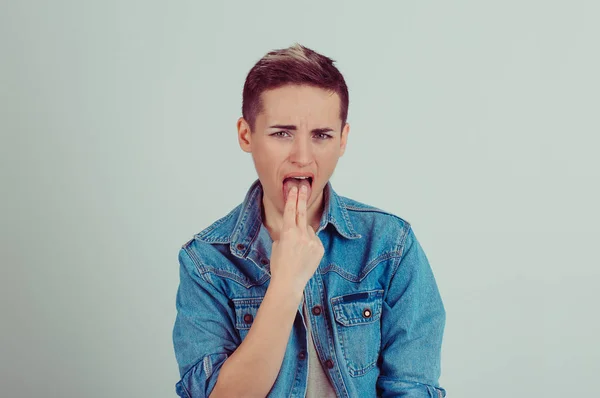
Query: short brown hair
[(293, 65)]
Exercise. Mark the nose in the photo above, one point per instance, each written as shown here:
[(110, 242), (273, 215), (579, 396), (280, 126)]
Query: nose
[(301, 153)]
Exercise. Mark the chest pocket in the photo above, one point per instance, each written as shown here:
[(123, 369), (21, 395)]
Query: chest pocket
[(245, 313), (357, 318)]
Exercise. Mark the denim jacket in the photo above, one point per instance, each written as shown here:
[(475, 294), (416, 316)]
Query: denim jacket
[(376, 314)]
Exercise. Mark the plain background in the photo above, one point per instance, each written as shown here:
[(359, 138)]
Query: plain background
[(476, 121)]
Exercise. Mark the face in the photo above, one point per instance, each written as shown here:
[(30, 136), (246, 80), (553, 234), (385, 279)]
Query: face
[(310, 140)]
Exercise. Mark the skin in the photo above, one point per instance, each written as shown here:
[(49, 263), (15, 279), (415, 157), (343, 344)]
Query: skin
[(277, 152)]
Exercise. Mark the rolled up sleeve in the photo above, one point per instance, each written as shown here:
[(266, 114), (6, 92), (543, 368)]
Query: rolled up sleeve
[(204, 332), (412, 326)]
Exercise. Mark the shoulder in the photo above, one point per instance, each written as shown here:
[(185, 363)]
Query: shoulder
[(359, 210), (371, 220), (209, 254), (220, 231)]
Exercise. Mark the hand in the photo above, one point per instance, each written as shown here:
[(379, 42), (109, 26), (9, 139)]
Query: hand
[(298, 251)]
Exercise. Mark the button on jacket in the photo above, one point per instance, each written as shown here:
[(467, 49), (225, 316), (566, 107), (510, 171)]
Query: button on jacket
[(376, 315)]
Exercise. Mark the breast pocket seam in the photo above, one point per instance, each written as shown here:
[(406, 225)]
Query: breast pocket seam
[(349, 313), (243, 307)]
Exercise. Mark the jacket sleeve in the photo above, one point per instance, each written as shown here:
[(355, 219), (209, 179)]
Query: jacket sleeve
[(412, 325), (204, 333)]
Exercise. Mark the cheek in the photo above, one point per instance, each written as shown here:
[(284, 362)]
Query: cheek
[(266, 165), (327, 160)]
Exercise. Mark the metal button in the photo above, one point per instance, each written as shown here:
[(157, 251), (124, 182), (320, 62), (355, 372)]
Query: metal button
[(240, 246), (302, 355), (264, 261), (248, 318), (316, 310), (329, 364), (367, 313)]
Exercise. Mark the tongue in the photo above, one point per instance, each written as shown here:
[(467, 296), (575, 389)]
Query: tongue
[(288, 183)]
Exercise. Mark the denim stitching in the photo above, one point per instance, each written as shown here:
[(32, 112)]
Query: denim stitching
[(349, 363), (205, 234), (346, 216), (376, 210), (203, 268), (245, 214), (355, 370), (207, 367), (240, 306), (332, 267), (295, 380), (401, 247)]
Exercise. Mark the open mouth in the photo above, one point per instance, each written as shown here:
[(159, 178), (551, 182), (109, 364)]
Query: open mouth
[(290, 182), (309, 179)]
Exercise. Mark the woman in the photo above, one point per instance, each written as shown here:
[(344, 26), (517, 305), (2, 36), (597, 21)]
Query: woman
[(299, 291)]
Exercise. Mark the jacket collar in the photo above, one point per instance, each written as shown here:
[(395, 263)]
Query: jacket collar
[(249, 219)]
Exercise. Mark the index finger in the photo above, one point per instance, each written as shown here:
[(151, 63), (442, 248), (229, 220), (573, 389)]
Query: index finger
[(301, 209), (289, 213)]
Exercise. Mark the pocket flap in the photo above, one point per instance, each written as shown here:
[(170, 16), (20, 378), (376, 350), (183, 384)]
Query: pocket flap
[(357, 308), (245, 311)]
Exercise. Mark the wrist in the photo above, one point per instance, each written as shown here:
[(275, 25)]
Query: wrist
[(286, 289)]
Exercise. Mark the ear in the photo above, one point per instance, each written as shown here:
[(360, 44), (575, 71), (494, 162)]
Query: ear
[(244, 135), (344, 138)]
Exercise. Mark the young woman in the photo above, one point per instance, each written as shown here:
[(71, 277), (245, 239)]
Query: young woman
[(299, 291)]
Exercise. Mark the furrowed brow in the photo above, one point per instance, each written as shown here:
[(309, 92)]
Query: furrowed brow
[(283, 126), (292, 127)]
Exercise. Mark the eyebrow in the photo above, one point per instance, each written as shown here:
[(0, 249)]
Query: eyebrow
[(292, 127)]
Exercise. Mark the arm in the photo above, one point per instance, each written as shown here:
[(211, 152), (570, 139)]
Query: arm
[(295, 256), (204, 336), (252, 369), (412, 326), (204, 332)]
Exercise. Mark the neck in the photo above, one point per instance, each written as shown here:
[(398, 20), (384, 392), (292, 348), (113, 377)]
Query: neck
[(273, 218)]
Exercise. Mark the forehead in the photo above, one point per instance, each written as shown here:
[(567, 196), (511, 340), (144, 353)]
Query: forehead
[(300, 102)]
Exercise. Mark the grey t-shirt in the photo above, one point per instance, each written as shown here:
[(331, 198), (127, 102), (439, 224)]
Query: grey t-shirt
[(319, 385)]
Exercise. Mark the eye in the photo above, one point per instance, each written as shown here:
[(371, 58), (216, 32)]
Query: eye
[(323, 136), (279, 132)]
